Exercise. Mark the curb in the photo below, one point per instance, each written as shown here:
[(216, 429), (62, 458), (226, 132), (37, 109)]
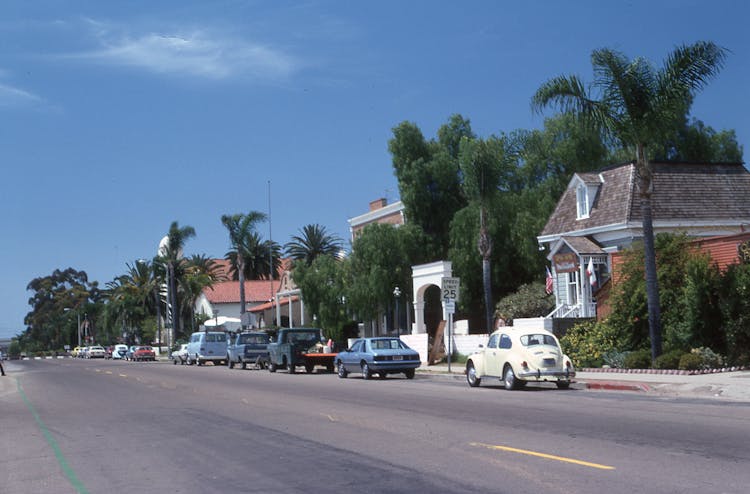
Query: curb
[(618, 386)]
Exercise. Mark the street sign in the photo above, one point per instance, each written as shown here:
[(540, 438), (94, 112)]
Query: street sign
[(450, 306), (449, 288)]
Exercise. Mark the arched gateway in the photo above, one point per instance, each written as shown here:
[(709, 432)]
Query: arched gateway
[(428, 310)]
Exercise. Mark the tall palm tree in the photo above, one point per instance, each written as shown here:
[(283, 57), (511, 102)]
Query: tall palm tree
[(484, 168), (172, 255), (314, 241), (639, 106), (200, 272), (242, 237)]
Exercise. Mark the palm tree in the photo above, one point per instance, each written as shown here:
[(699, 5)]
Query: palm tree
[(200, 272), (171, 254), (313, 242), (640, 106), (242, 237), (484, 165)]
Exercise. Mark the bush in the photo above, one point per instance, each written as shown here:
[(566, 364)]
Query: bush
[(709, 358), (615, 359), (690, 361), (669, 360), (529, 301), (639, 359), (587, 343)]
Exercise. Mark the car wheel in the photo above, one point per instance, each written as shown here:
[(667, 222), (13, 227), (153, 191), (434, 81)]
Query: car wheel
[(471, 375), (291, 368), (382, 375), (510, 378), (230, 363), (563, 384), (309, 367), (342, 370), (366, 372), (410, 373), (271, 366), (198, 361), (244, 364), (174, 361)]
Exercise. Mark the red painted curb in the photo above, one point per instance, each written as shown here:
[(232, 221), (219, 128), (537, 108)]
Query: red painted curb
[(618, 386)]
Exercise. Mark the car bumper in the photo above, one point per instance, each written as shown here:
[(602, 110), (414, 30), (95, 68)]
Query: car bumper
[(546, 375), (395, 366)]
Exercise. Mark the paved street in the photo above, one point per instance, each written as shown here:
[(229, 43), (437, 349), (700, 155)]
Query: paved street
[(101, 426)]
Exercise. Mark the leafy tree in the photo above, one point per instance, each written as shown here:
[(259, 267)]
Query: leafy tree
[(735, 309), (530, 300), (428, 177), (242, 238), (696, 142), (640, 106), (48, 324), (323, 283), (200, 272), (381, 260), (313, 242)]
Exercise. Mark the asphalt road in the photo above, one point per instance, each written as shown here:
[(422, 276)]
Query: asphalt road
[(75, 426)]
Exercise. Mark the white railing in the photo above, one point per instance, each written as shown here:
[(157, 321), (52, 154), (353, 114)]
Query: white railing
[(576, 310)]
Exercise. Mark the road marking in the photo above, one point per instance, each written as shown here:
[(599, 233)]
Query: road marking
[(332, 418), (123, 375), (108, 372), (543, 455), (77, 484)]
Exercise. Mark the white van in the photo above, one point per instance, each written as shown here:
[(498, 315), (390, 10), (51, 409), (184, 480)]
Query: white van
[(207, 346)]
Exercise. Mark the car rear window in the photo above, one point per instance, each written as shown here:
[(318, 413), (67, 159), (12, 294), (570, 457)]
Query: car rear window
[(253, 339), (390, 344), (538, 339), (216, 338)]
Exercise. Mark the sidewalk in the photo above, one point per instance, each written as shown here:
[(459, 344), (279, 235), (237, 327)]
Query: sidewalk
[(731, 386)]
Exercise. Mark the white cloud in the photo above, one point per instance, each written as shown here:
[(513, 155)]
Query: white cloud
[(12, 96), (197, 53)]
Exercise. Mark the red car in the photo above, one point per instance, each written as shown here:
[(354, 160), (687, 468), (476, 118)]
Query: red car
[(144, 353)]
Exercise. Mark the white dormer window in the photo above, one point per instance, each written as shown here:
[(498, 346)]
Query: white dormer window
[(582, 199)]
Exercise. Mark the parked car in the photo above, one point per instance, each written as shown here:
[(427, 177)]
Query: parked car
[(144, 353), (179, 355), (207, 346), (519, 356), (119, 352), (382, 356), (130, 352), (83, 352), (108, 352), (299, 346), (95, 351), (247, 348), (76, 351)]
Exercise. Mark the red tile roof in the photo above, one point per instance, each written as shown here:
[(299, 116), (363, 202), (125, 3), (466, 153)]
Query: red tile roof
[(229, 291), (271, 305)]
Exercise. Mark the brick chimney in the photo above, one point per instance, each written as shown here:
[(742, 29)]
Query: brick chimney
[(378, 204)]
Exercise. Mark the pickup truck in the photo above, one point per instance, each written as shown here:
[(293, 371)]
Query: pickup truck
[(247, 348), (299, 347)]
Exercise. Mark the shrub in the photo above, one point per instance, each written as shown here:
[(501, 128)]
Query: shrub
[(709, 358), (638, 359), (669, 360), (529, 301), (587, 343), (615, 359), (690, 361)]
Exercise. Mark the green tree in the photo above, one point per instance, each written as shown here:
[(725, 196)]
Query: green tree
[(242, 239), (640, 106), (323, 283), (696, 142), (428, 177), (313, 242), (200, 272), (381, 259)]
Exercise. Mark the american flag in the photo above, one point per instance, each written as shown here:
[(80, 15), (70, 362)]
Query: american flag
[(548, 283)]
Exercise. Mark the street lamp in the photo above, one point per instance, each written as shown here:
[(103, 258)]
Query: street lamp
[(78, 323), (396, 295)]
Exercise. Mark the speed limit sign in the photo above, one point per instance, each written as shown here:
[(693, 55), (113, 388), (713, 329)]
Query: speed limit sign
[(449, 288)]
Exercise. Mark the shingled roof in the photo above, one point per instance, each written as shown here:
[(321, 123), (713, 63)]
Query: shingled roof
[(695, 192)]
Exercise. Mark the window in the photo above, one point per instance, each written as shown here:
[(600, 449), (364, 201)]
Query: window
[(505, 341), (493, 341), (582, 198), (357, 346)]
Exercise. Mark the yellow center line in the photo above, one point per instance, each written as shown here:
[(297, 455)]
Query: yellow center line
[(543, 455)]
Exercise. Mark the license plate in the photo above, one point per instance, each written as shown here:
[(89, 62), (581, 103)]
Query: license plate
[(398, 357)]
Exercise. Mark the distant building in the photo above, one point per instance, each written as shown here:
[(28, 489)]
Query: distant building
[(380, 212)]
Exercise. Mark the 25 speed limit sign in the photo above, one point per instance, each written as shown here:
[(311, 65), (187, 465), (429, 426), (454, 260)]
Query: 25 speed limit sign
[(449, 288)]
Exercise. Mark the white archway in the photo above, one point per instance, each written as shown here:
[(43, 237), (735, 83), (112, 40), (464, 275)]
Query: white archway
[(424, 276)]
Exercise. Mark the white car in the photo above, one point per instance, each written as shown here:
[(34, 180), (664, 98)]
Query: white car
[(95, 351), (180, 355), (518, 356), (119, 351)]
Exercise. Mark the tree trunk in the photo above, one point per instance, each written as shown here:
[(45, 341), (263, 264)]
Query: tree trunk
[(645, 184), (485, 250)]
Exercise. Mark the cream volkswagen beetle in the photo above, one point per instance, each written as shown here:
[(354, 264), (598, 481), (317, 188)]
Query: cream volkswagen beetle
[(518, 356)]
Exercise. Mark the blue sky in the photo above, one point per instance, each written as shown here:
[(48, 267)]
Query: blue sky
[(117, 118)]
